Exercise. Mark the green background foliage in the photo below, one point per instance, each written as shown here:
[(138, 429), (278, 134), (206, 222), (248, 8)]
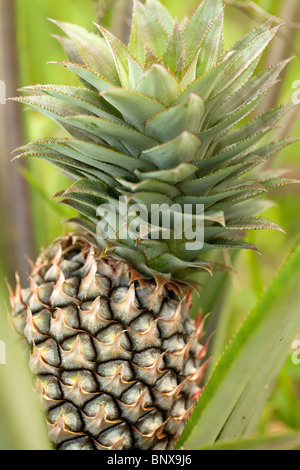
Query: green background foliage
[(230, 296)]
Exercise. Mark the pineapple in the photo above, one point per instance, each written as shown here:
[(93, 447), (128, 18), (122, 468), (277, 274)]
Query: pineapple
[(118, 360)]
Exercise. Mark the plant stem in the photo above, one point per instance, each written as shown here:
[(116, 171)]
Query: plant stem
[(280, 49), (16, 233), (121, 19)]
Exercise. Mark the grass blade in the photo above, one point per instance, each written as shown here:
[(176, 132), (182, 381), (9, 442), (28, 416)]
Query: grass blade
[(242, 380), (285, 442)]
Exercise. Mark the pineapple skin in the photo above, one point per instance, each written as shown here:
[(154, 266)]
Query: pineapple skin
[(117, 358)]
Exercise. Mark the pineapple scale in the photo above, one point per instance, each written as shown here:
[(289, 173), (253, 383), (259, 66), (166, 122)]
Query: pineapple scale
[(118, 361)]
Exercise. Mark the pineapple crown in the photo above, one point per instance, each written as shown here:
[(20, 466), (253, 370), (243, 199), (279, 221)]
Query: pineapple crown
[(162, 121)]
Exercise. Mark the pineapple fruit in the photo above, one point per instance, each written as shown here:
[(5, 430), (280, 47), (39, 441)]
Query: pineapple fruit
[(118, 360)]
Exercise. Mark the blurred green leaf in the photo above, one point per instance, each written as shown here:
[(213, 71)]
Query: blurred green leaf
[(61, 211), (236, 393), (286, 400), (286, 442), (22, 425)]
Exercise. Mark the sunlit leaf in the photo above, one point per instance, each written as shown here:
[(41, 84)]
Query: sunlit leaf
[(196, 28), (170, 123), (145, 24), (159, 83)]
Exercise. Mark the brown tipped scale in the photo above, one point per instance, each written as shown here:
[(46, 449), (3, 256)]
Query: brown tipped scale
[(117, 362)]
